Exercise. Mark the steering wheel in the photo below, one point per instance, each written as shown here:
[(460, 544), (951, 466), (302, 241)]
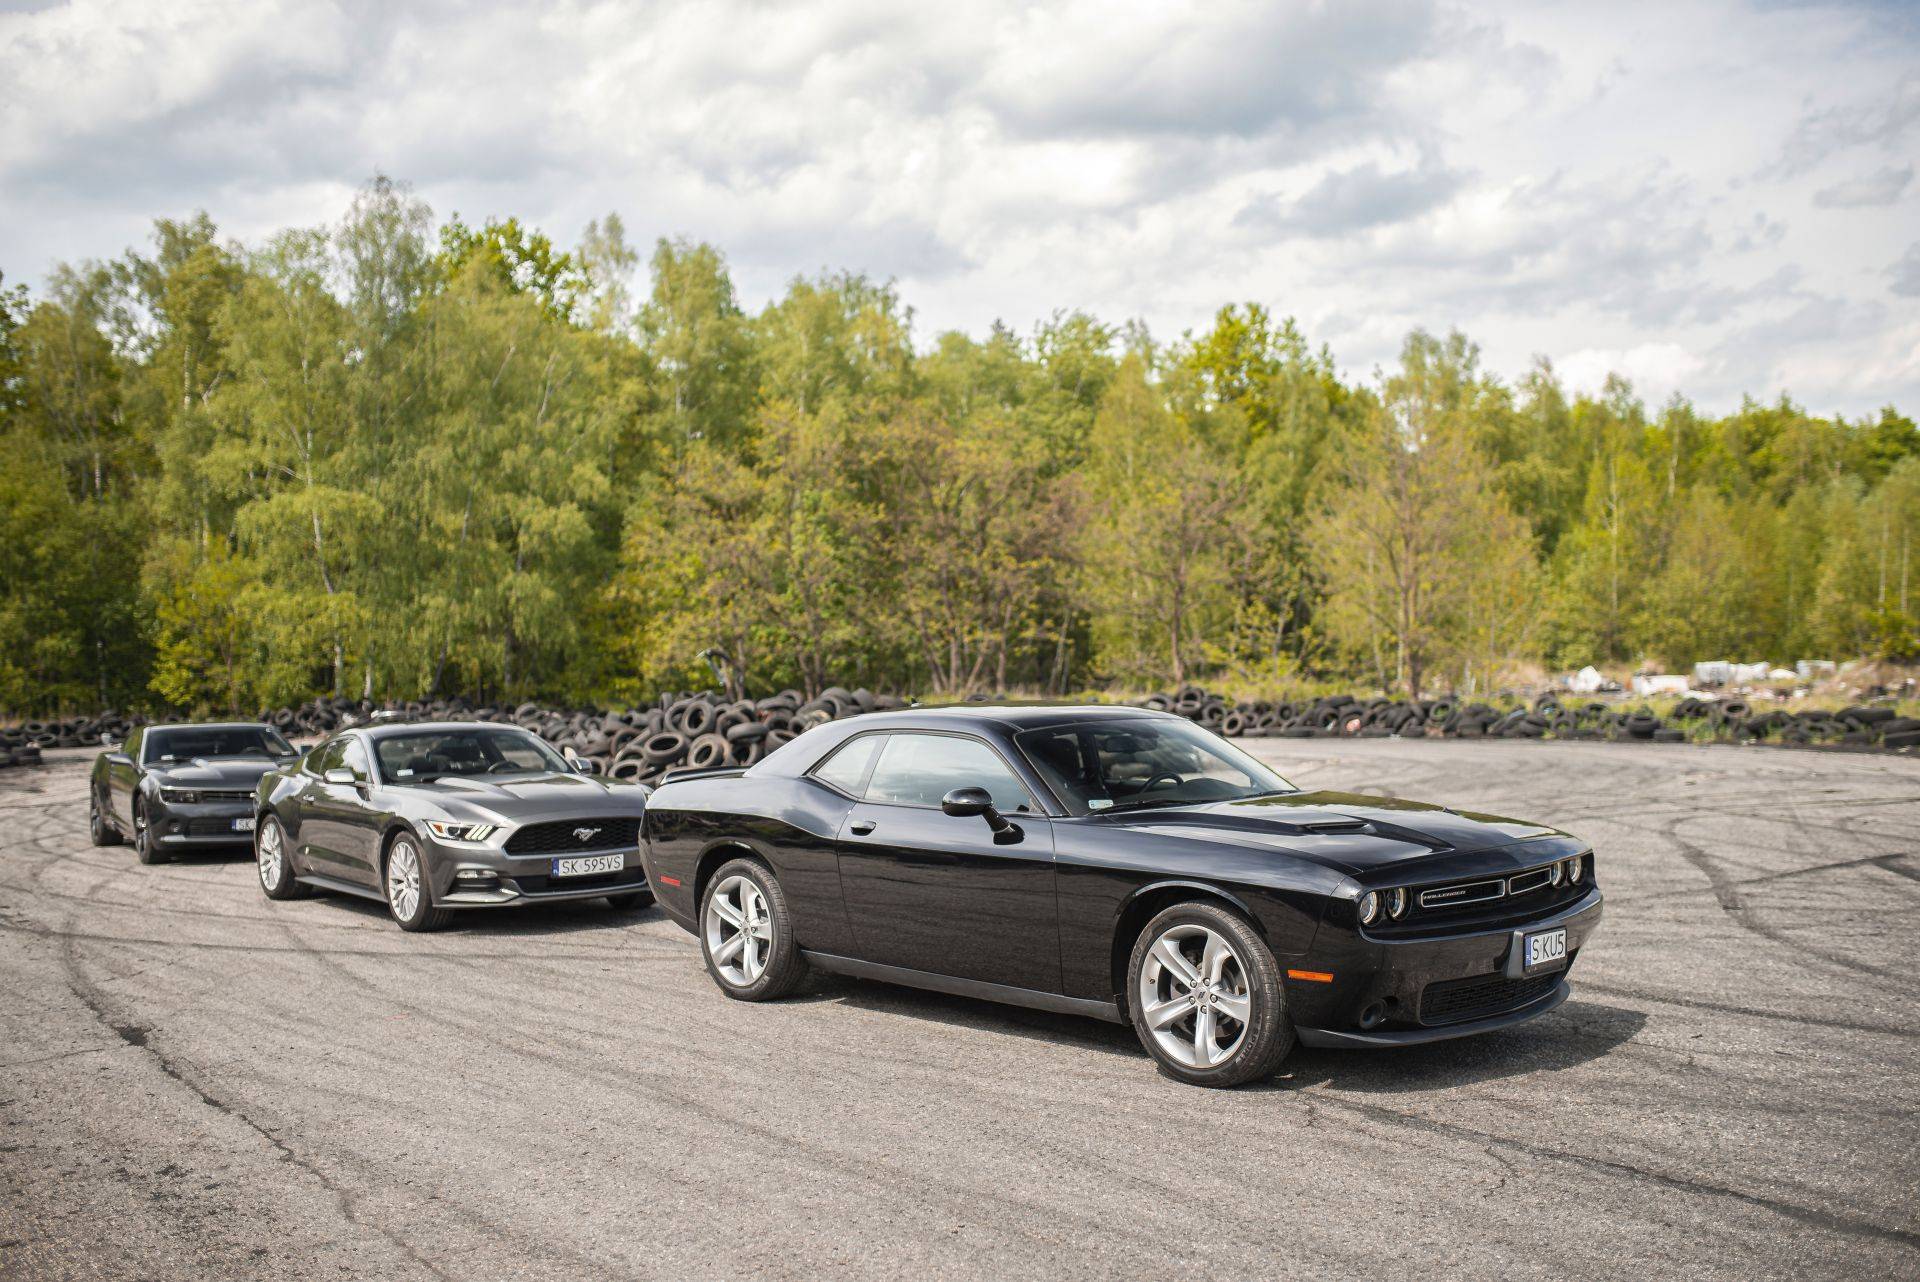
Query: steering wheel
[(1154, 782), (502, 768)]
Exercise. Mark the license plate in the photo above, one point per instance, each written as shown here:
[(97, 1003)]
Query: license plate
[(1546, 947), (243, 825), (587, 865)]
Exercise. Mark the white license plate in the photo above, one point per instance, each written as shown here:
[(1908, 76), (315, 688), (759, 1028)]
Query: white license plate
[(243, 825), (1547, 946), (587, 865)]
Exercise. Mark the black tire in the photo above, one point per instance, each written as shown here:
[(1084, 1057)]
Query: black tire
[(784, 968), (144, 848), (276, 876), (416, 912), (99, 830), (631, 901), (1267, 1033)]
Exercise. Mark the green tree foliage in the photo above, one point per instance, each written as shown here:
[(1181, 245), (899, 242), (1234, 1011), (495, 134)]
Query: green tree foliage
[(391, 457)]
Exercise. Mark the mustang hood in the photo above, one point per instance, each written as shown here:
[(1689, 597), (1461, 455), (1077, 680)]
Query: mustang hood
[(528, 798), (1338, 829)]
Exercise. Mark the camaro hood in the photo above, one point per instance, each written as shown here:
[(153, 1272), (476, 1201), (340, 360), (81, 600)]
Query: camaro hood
[(527, 798), (213, 772), (1338, 829)]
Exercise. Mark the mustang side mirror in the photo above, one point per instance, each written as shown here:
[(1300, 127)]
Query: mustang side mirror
[(119, 759), (340, 774), (963, 803)]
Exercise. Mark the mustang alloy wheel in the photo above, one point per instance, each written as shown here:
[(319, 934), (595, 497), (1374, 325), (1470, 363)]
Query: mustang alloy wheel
[(409, 896), (746, 934), (276, 861), (1206, 998)]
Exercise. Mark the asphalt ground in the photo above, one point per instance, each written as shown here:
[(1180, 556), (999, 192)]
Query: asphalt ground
[(200, 1083)]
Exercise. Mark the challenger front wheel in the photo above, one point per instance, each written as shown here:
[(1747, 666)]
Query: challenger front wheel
[(1205, 995)]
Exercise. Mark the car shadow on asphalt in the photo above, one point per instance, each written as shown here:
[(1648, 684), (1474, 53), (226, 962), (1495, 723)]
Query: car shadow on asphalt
[(511, 921), (1578, 1032)]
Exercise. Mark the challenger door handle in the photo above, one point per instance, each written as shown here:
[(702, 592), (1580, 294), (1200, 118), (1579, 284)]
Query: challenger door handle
[(860, 827)]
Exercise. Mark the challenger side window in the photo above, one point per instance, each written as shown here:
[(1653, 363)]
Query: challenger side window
[(847, 768), (920, 769)]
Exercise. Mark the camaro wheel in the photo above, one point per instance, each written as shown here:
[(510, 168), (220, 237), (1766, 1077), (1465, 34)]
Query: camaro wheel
[(276, 861), (746, 934), (408, 895), (1206, 997), (144, 846), (102, 833)]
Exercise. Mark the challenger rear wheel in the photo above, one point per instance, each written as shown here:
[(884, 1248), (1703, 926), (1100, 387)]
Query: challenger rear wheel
[(1206, 997), (746, 934)]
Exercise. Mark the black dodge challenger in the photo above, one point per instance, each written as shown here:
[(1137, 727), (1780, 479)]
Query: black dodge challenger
[(1123, 864), (429, 818), (181, 787)]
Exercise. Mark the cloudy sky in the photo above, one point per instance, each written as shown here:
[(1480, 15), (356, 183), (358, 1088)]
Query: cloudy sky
[(1712, 197)]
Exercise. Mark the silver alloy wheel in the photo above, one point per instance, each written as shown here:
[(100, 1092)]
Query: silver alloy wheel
[(1194, 996), (140, 834), (739, 931), (270, 855), (403, 879)]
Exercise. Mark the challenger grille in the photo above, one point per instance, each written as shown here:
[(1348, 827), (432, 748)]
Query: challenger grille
[(562, 836), (1452, 1000)]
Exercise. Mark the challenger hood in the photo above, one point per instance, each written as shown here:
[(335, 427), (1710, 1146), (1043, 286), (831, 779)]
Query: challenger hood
[(1341, 830)]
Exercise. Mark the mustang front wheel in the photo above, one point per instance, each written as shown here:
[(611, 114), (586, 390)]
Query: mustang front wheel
[(275, 861), (746, 934), (1206, 997), (409, 896)]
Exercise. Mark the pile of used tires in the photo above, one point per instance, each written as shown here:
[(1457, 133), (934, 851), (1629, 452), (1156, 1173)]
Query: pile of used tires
[(1344, 716), (22, 744), (637, 745)]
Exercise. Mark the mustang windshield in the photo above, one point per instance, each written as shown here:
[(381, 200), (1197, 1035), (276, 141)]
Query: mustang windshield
[(423, 757), (1122, 765), (183, 743)]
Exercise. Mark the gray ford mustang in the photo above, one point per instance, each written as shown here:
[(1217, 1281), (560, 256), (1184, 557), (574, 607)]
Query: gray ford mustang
[(430, 818)]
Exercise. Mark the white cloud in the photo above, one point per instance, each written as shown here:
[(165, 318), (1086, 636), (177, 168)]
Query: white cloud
[(1683, 188), (1656, 370)]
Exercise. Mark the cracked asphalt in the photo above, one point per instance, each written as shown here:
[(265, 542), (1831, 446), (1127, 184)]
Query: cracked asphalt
[(198, 1082)]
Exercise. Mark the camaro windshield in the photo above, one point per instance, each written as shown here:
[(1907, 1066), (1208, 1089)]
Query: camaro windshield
[(187, 742), (1120, 765), (432, 754)]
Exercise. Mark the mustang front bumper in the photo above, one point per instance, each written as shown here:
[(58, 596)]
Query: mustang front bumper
[(466, 876), (1401, 992)]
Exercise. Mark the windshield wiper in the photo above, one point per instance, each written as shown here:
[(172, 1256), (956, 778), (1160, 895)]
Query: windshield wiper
[(1149, 803)]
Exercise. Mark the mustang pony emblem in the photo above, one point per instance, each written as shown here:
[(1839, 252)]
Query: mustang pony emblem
[(584, 834)]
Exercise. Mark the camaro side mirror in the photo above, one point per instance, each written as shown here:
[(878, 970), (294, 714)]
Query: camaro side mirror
[(340, 774), (963, 803)]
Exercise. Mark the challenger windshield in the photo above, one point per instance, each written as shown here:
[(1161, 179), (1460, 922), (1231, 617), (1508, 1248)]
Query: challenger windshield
[(1124, 765)]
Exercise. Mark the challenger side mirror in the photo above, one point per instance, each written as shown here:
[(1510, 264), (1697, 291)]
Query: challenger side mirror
[(963, 803)]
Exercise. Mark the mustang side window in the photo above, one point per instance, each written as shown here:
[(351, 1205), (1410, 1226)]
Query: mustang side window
[(847, 768), (919, 769)]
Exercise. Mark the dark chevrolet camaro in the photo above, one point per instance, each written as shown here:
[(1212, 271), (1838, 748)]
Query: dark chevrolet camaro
[(1122, 864), (181, 787), (431, 818)]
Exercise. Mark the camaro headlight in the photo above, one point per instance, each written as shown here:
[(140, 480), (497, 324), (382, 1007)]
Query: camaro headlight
[(460, 832), (180, 796), (1397, 902), (1369, 908)]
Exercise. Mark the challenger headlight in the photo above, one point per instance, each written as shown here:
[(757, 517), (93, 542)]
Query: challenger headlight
[(1397, 902), (1369, 908), (460, 832), (1576, 869), (180, 796)]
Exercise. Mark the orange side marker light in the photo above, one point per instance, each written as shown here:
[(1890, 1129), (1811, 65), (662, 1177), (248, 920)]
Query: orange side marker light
[(1315, 976)]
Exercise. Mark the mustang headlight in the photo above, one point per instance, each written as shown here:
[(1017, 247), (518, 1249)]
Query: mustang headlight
[(180, 796), (1369, 908), (460, 832)]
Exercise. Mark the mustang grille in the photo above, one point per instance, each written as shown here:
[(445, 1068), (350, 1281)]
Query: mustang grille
[(1452, 1000), (562, 837)]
